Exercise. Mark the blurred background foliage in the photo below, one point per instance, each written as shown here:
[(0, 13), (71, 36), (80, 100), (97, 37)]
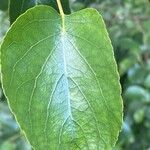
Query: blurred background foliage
[(128, 24)]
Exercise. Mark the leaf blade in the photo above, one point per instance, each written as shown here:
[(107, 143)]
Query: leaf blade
[(51, 91)]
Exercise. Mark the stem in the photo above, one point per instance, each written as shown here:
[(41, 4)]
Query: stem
[(62, 14)]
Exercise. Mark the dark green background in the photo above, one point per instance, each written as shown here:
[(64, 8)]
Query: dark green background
[(128, 23)]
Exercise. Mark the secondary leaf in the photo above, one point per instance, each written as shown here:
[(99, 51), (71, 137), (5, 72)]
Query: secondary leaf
[(62, 84), (17, 7), (3, 4)]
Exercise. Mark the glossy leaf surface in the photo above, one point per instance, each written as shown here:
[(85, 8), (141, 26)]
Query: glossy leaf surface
[(62, 83)]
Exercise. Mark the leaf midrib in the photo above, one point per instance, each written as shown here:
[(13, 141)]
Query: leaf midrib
[(63, 36)]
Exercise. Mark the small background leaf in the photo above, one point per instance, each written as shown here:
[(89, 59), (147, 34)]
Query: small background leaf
[(3, 4)]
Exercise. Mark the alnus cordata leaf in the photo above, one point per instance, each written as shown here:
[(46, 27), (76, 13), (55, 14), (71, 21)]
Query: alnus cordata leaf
[(16, 8), (62, 83)]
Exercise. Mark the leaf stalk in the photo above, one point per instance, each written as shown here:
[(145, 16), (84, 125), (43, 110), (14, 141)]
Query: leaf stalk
[(62, 14)]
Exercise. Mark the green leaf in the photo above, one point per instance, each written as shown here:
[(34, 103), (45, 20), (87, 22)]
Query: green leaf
[(147, 81), (19, 7), (62, 83), (139, 115), (7, 146), (3, 4), (137, 74), (135, 92)]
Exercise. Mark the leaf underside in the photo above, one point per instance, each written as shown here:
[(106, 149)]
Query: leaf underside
[(63, 87)]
